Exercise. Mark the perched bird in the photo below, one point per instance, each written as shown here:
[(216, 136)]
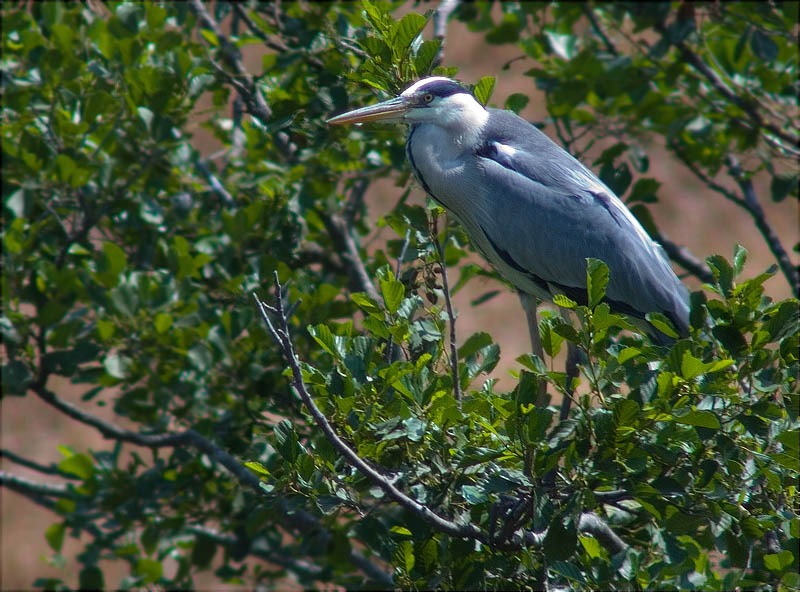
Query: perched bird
[(534, 211)]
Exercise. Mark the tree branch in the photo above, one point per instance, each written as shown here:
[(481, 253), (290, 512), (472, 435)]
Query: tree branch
[(589, 522), (32, 464), (588, 10), (299, 519), (753, 206), (685, 258), (242, 81), (280, 334), (32, 489), (749, 107), (440, 17), (346, 245), (451, 317)]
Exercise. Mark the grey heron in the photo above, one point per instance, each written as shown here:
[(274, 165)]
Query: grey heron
[(533, 210)]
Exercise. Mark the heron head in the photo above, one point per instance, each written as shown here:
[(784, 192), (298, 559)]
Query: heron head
[(435, 100)]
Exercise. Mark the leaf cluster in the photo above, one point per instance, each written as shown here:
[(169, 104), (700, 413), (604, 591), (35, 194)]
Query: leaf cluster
[(129, 257)]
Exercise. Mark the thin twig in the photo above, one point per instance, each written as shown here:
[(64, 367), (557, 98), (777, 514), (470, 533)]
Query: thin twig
[(347, 248), (692, 58), (589, 522), (44, 495), (705, 179), (753, 206), (403, 250), (685, 258), (296, 518), (215, 184), (280, 334), (355, 200), (26, 486), (241, 80), (32, 464), (588, 10), (451, 317)]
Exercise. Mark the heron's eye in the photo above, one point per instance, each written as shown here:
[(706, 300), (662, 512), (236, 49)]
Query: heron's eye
[(427, 97)]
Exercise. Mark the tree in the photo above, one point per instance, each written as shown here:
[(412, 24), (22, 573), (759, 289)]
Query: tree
[(313, 431)]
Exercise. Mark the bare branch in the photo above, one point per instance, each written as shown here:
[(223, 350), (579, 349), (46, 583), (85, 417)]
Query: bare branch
[(42, 494), (295, 518), (355, 200), (280, 335), (346, 245), (589, 522), (451, 317), (753, 206), (241, 79), (32, 488), (592, 524), (440, 17), (215, 184), (32, 464), (750, 107), (685, 258), (706, 180), (598, 27)]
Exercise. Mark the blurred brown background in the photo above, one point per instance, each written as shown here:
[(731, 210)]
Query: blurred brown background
[(688, 213)]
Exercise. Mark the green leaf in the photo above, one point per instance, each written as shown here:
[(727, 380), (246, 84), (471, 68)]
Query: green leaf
[(426, 55), (402, 531), (644, 190), (662, 323), (473, 344), (551, 341), (150, 570), (415, 429), (596, 280), (626, 412), (783, 185), (723, 273), (763, 46), (739, 258), (483, 90), (162, 323), (473, 495), (365, 303), (203, 551), (564, 302), (55, 535), (331, 343), (779, 562), (561, 539), (91, 578), (257, 468), (404, 555), (111, 264), (702, 419), (691, 367), (392, 292), (592, 546), (516, 102), (405, 31), (117, 365), (16, 378), (149, 539), (563, 45), (81, 465)]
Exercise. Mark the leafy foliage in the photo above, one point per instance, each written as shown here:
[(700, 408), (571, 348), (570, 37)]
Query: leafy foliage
[(130, 259)]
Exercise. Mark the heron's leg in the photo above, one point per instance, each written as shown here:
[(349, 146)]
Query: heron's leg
[(529, 303)]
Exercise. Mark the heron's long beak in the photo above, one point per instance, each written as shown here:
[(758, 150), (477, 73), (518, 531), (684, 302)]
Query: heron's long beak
[(389, 111)]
